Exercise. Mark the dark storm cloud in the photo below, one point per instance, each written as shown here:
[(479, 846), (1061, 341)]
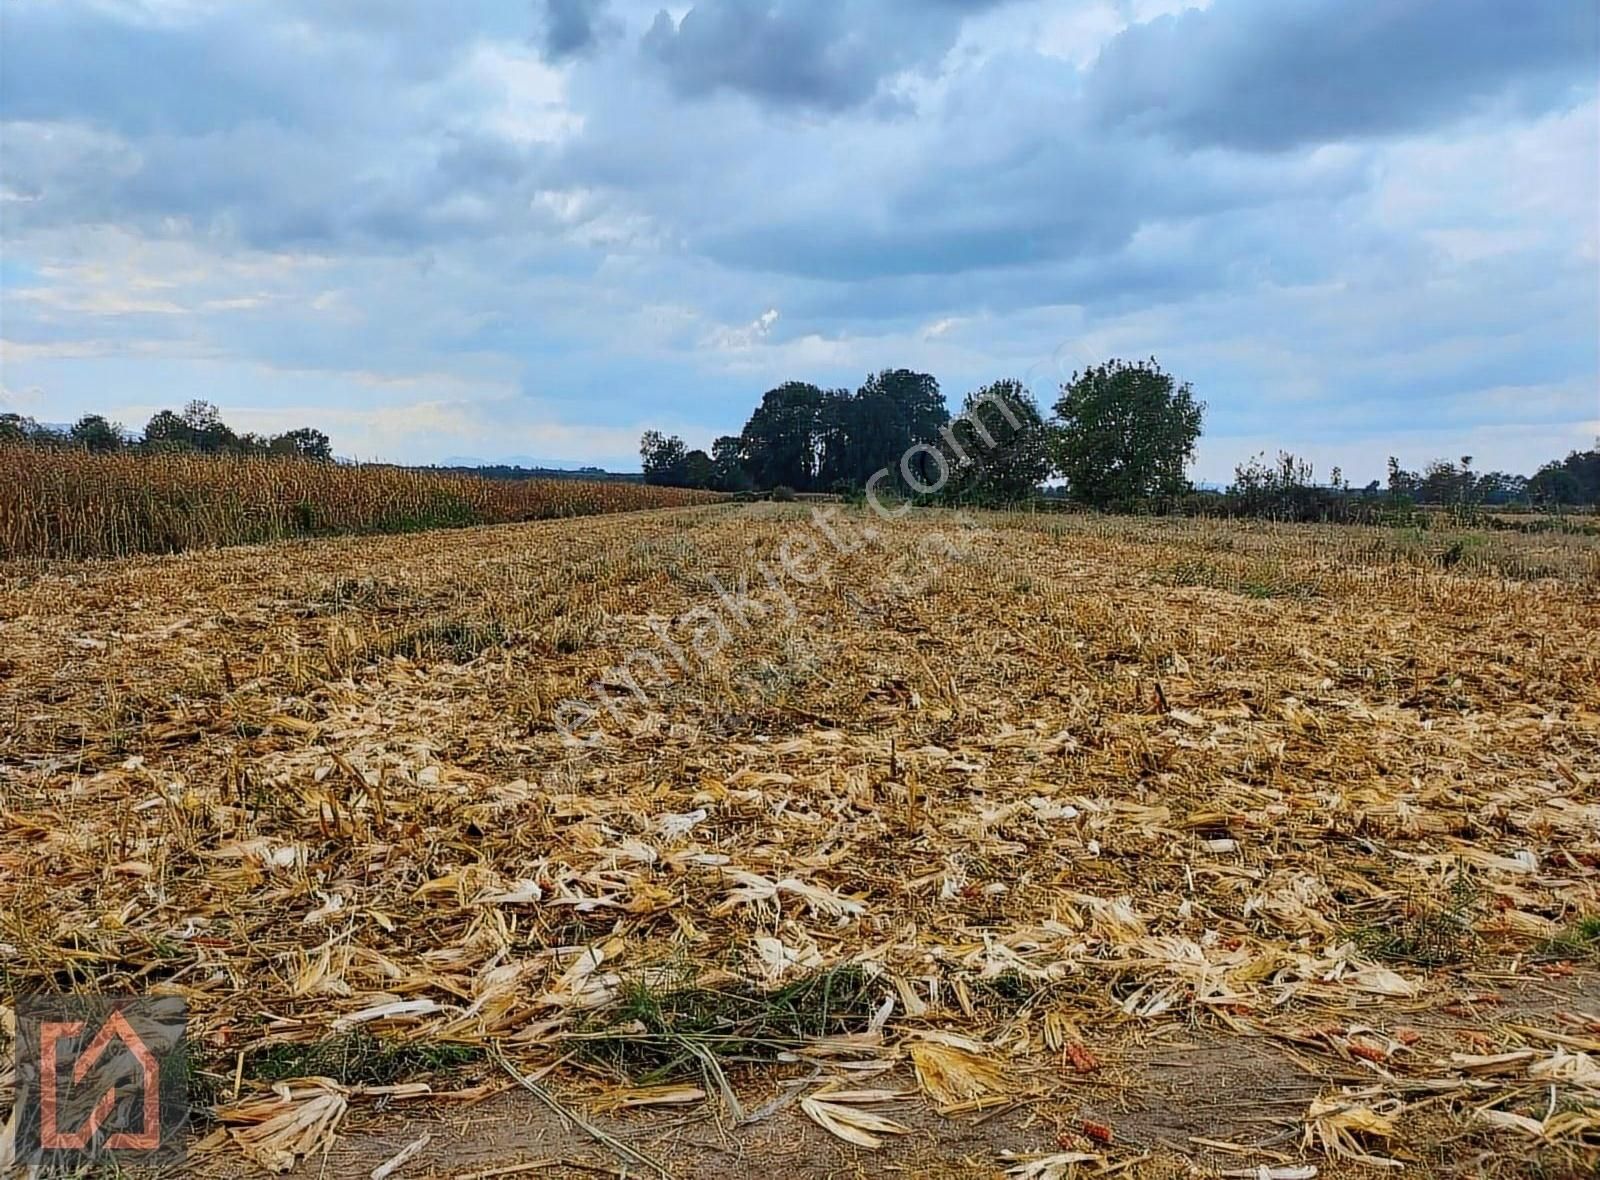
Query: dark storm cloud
[(297, 63), (1268, 75), (269, 187), (1302, 204), (825, 54), (1038, 186), (278, 125), (571, 28)]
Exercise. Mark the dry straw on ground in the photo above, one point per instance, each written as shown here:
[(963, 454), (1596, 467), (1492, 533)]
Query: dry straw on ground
[(998, 791)]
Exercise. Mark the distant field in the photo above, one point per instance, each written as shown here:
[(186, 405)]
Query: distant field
[(71, 504), (1098, 839)]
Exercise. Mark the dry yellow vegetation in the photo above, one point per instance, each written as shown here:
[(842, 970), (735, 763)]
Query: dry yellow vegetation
[(74, 504), (978, 803)]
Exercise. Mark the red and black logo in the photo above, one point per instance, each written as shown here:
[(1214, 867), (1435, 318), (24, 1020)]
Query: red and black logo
[(100, 1076)]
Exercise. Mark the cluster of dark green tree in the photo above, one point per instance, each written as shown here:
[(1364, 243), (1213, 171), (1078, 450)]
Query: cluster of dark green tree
[(1573, 480), (1120, 434), (807, 438), (199, 427)]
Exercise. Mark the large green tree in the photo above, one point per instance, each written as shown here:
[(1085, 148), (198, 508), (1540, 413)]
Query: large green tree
[(200, 427), (783, 438), (897, 408), (93, 432), (207, 430), (728, 472), (167, 431), (304, 443), (1001, 447), (808, 438), (698, 470), (1573, 480), (839, 424), (663, 458), (1125, 432), (14, 428)]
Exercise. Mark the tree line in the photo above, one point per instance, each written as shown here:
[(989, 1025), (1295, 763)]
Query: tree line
[(197, 427), (1286, 488), (1119, 437), (1119, 433), (1573, 480)]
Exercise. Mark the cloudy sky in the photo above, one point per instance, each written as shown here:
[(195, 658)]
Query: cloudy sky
[(1359, 227)]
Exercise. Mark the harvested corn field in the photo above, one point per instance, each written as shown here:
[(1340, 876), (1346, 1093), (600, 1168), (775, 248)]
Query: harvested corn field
[(764, 839)]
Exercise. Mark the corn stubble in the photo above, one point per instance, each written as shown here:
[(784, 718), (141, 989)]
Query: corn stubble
[(74, 504), (961, 847)]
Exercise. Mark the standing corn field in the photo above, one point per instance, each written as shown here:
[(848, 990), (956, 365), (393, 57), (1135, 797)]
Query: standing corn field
[(73, 504)]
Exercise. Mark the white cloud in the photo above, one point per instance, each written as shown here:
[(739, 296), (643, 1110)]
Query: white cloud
[(529, 103), (744, 338)]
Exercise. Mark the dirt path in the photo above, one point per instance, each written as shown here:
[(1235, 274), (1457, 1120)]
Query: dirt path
[(1221, 1090), (1177, 1105)]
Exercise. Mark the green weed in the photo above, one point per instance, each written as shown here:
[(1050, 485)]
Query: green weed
[(1430, 935), (664, 1030), (1578, 941), (357, 1058), (455, 638)]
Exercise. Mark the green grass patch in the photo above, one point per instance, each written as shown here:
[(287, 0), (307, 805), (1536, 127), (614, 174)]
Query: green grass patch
[(1256, 580), (358, 1058), (1006, 992), (664, 1030), (1578, 941)]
